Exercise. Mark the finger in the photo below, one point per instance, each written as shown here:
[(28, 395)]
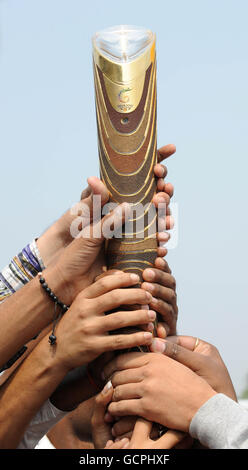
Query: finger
[(122, 444), (163, 330), (108, 444), (160, 185), (109, 283), (159, 291), (117, 320), (118, 297), (142, 430), (157, 276), (125, 341), (85, 193), (162, 265), (163, 237), (169, 440), (170, 222), (169, 189), (125, 408), (193, 360), (101, 402), (98, 188), (187, 342), (127, 434), (165, 152), (161, 251), (123, 426), (160, 171), (166, 311), (128, 376), (161, 198), (126, 392), (130, 360)]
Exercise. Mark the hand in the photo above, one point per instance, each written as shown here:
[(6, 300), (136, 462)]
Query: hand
[(141, 437), (162, 285), (102, 436), (101, 431), (82, 334), (82, 260), (201, 357), (156, 388), (57, 237)]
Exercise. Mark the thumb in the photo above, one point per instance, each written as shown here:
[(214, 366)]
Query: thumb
[(141, 432), (101, 402), (169, 440), (98, 188), (101, 431), (190, 359)]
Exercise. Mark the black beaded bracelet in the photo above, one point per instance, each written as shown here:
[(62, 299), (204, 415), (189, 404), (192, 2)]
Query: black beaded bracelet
[(57, 302)]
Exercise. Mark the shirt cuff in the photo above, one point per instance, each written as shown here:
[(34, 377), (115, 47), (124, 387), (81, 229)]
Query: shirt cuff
[(45, 419), (221, 423)]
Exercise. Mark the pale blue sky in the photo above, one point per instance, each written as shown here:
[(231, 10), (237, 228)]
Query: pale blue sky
[(48, 141)]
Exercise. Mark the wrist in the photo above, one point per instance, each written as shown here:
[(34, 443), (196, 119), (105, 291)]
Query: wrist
[(200, 398), (59, 285), (50, 361), (50, 244)]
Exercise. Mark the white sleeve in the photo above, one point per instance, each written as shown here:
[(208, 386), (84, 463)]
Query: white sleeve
[(45, 419), (221, 423)]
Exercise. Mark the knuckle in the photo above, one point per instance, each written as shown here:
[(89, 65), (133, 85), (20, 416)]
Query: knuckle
[(117, 394), (102, 282), (172, 282), (118, 341), (115, 295), (87, 328), (172, 296)]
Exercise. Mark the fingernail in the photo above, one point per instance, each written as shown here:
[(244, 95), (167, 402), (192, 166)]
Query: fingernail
[(126, 445), (148, 296), (150, 326), (164, 236), (107, 387), (149, 286), (152, 315), (150, 274), (158, 346), (134, 277), (144, 307), (161, 199), (148, 336)]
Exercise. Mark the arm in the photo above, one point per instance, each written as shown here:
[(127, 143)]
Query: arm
[(69, 270), (189, 373), (81, 337)]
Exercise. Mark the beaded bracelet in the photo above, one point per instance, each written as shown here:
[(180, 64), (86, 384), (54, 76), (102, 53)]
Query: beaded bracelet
[(57, 302)]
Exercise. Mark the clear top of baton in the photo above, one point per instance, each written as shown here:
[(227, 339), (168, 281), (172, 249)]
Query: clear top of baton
[(123, 43)]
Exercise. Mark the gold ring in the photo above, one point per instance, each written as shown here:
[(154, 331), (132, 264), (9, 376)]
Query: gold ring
[(196, 343)]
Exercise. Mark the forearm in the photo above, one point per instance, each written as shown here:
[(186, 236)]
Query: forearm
[(70, 394), (26, 313), (26, 391)]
